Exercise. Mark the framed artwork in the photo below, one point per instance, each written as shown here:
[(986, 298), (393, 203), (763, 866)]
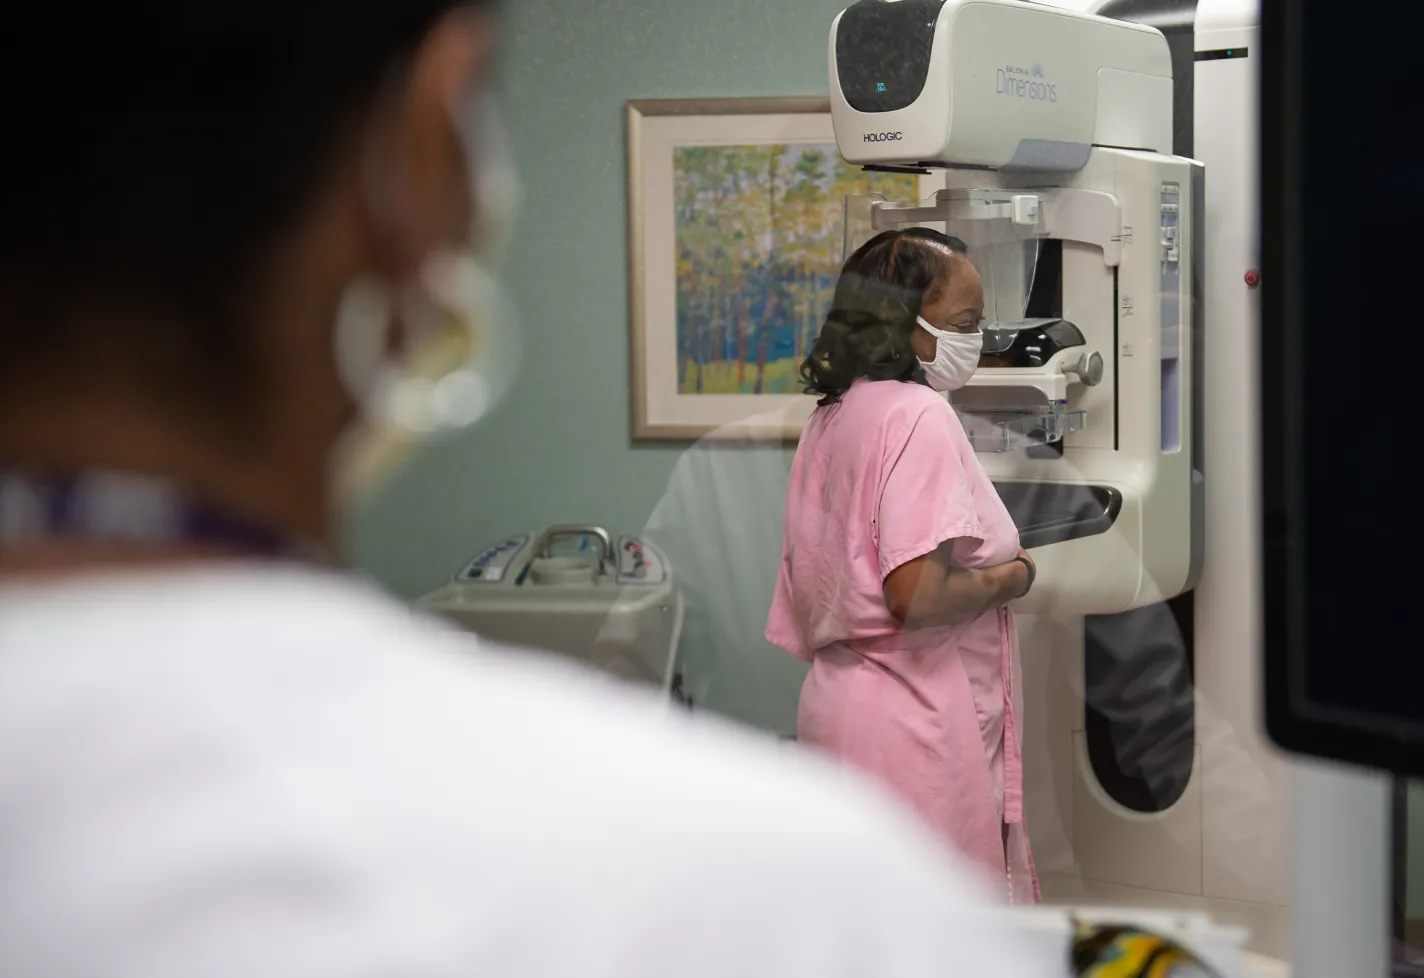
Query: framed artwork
[(735, 216)]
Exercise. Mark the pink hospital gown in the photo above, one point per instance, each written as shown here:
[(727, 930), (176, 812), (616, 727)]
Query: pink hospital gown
[(883, 477)]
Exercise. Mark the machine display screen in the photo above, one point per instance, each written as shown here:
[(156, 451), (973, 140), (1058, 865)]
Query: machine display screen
[(1343, 194), (883, 52)]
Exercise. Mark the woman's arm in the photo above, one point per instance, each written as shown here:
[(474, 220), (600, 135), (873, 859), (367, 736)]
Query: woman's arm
[(929, 591)]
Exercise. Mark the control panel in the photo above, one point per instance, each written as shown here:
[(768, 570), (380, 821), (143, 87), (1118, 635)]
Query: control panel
[(1171, 223), (1171, 290), (636, 563), (492, 565)]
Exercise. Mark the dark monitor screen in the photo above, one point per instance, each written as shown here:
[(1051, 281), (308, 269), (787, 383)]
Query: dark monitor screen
[(1342, 187)]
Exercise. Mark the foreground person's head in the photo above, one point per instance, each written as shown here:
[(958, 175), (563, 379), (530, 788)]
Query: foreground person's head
[(188, 211)]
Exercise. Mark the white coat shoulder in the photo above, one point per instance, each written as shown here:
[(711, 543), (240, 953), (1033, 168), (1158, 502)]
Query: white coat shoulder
[(237, 772)]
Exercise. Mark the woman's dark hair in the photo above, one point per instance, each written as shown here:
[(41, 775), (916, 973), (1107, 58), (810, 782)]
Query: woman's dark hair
[(156, 156), (882, 288)]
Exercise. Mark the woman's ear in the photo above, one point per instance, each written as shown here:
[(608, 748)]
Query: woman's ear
[(417, 181)]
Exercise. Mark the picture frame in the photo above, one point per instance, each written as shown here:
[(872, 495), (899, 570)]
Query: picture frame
[(735, 211)]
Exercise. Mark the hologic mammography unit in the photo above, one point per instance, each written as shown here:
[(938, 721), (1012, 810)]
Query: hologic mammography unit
[(1102, 176), (1055, 133)]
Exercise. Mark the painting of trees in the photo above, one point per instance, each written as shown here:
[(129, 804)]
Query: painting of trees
[(758, 238)]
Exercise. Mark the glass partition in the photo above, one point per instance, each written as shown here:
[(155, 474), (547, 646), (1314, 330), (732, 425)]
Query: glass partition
[(1141, 782)]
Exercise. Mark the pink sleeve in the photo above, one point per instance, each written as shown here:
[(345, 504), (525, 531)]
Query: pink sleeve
[(926, 500)]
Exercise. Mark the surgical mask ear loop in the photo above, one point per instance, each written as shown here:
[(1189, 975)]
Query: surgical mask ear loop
[(364, 320), (497, 193), (464, 349)]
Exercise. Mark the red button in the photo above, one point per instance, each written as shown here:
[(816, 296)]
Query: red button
[(1253, 278)]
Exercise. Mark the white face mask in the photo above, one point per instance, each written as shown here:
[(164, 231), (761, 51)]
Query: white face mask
[(462, 348), (956, 357)]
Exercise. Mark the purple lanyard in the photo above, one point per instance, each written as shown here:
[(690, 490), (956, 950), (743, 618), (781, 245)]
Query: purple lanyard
[(113, 507)]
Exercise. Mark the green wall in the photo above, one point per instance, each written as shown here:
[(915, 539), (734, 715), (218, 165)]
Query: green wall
[(557, 449), (1412, 854)]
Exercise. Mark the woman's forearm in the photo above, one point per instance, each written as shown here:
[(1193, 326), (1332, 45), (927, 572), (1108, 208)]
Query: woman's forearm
[(963, 594), (969, 592)]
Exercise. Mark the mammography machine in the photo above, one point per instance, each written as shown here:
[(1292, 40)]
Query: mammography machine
[(1102, 175), (1054, 130)]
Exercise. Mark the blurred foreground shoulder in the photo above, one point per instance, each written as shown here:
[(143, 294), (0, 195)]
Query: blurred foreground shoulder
[(231, 774), (762, 859)]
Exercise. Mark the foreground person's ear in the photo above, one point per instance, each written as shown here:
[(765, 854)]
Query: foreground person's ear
[(424, 342)]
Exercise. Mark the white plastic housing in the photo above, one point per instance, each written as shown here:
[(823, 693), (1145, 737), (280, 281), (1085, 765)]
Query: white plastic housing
[(621, 623), (1020, 84), (1138, 439)]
